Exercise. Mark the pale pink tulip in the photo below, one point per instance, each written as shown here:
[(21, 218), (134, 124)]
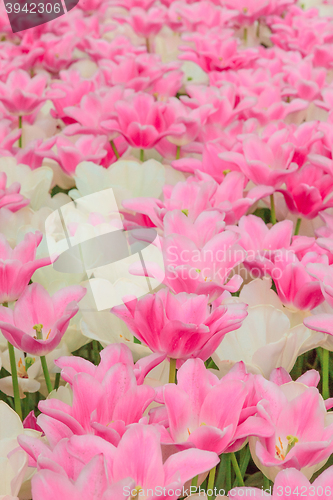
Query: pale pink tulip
[(18, 265), (36, 311)]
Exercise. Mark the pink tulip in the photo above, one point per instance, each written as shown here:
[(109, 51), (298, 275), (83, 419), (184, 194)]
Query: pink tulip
[(300, 30), (280, 376), (106, 398), (203, 229), (99, 49), (208, 270), (180, 326), (302, 443), (139, 128), (8, 137), (69, 154), (271, 105), (29, 155), (216, 51), (22, 95), (17, 266), (308, 191), (197, 411), (291, 483), (143, 72), (144, 23), (219, 107), (260, 242), (68, 92), (94, 108), (110, 355), (198, 17), (10, 197), (130, 4), (322, 322), (57, 51), (210, 164), (34, 309), (296, 288), (255, 236), (265, 163), (305, 80), (91, 483), (193, 121), (192, 197), (30, 422), (307, 138), (89, 466), (249, 12), (232, 197)]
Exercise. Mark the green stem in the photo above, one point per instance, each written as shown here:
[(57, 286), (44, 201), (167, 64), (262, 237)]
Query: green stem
[(211, 481), (96, 352), (299, 366), (245, 35), (244, 462), (319, 358), (114, 149), (148, 45), (46, 374), (258, 29), (172, 371), (273, 216), (26, 404), (325, 366), (228, 474), (16, 390), (298, 225), (142, 155), (194, 482), (57, 381), (267, 483), (20, 126), (39, 331), (237, 469), (211, 364), (178, 153), (220, 479)]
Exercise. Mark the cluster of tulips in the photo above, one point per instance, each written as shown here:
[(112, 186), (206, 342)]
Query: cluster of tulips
[(202, 369)]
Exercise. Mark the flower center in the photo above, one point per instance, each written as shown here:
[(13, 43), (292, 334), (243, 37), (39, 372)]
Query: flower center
[(185, 211), (282, 451), (23, 368), (205, 279), (39, 332), (136, 492)]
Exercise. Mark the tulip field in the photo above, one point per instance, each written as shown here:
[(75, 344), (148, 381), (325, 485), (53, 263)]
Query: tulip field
[(166, 249)]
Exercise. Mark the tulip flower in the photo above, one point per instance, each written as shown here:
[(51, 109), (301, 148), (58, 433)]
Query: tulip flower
[(38, 321), (116, 398), (21, 95), (296, 288), (14, 461), (96, 469), (302, 443), (290, 483), (197, 411), (10, 197), (265, 163), (18, 265), (322, 322), (142, 130), (179, 326)]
